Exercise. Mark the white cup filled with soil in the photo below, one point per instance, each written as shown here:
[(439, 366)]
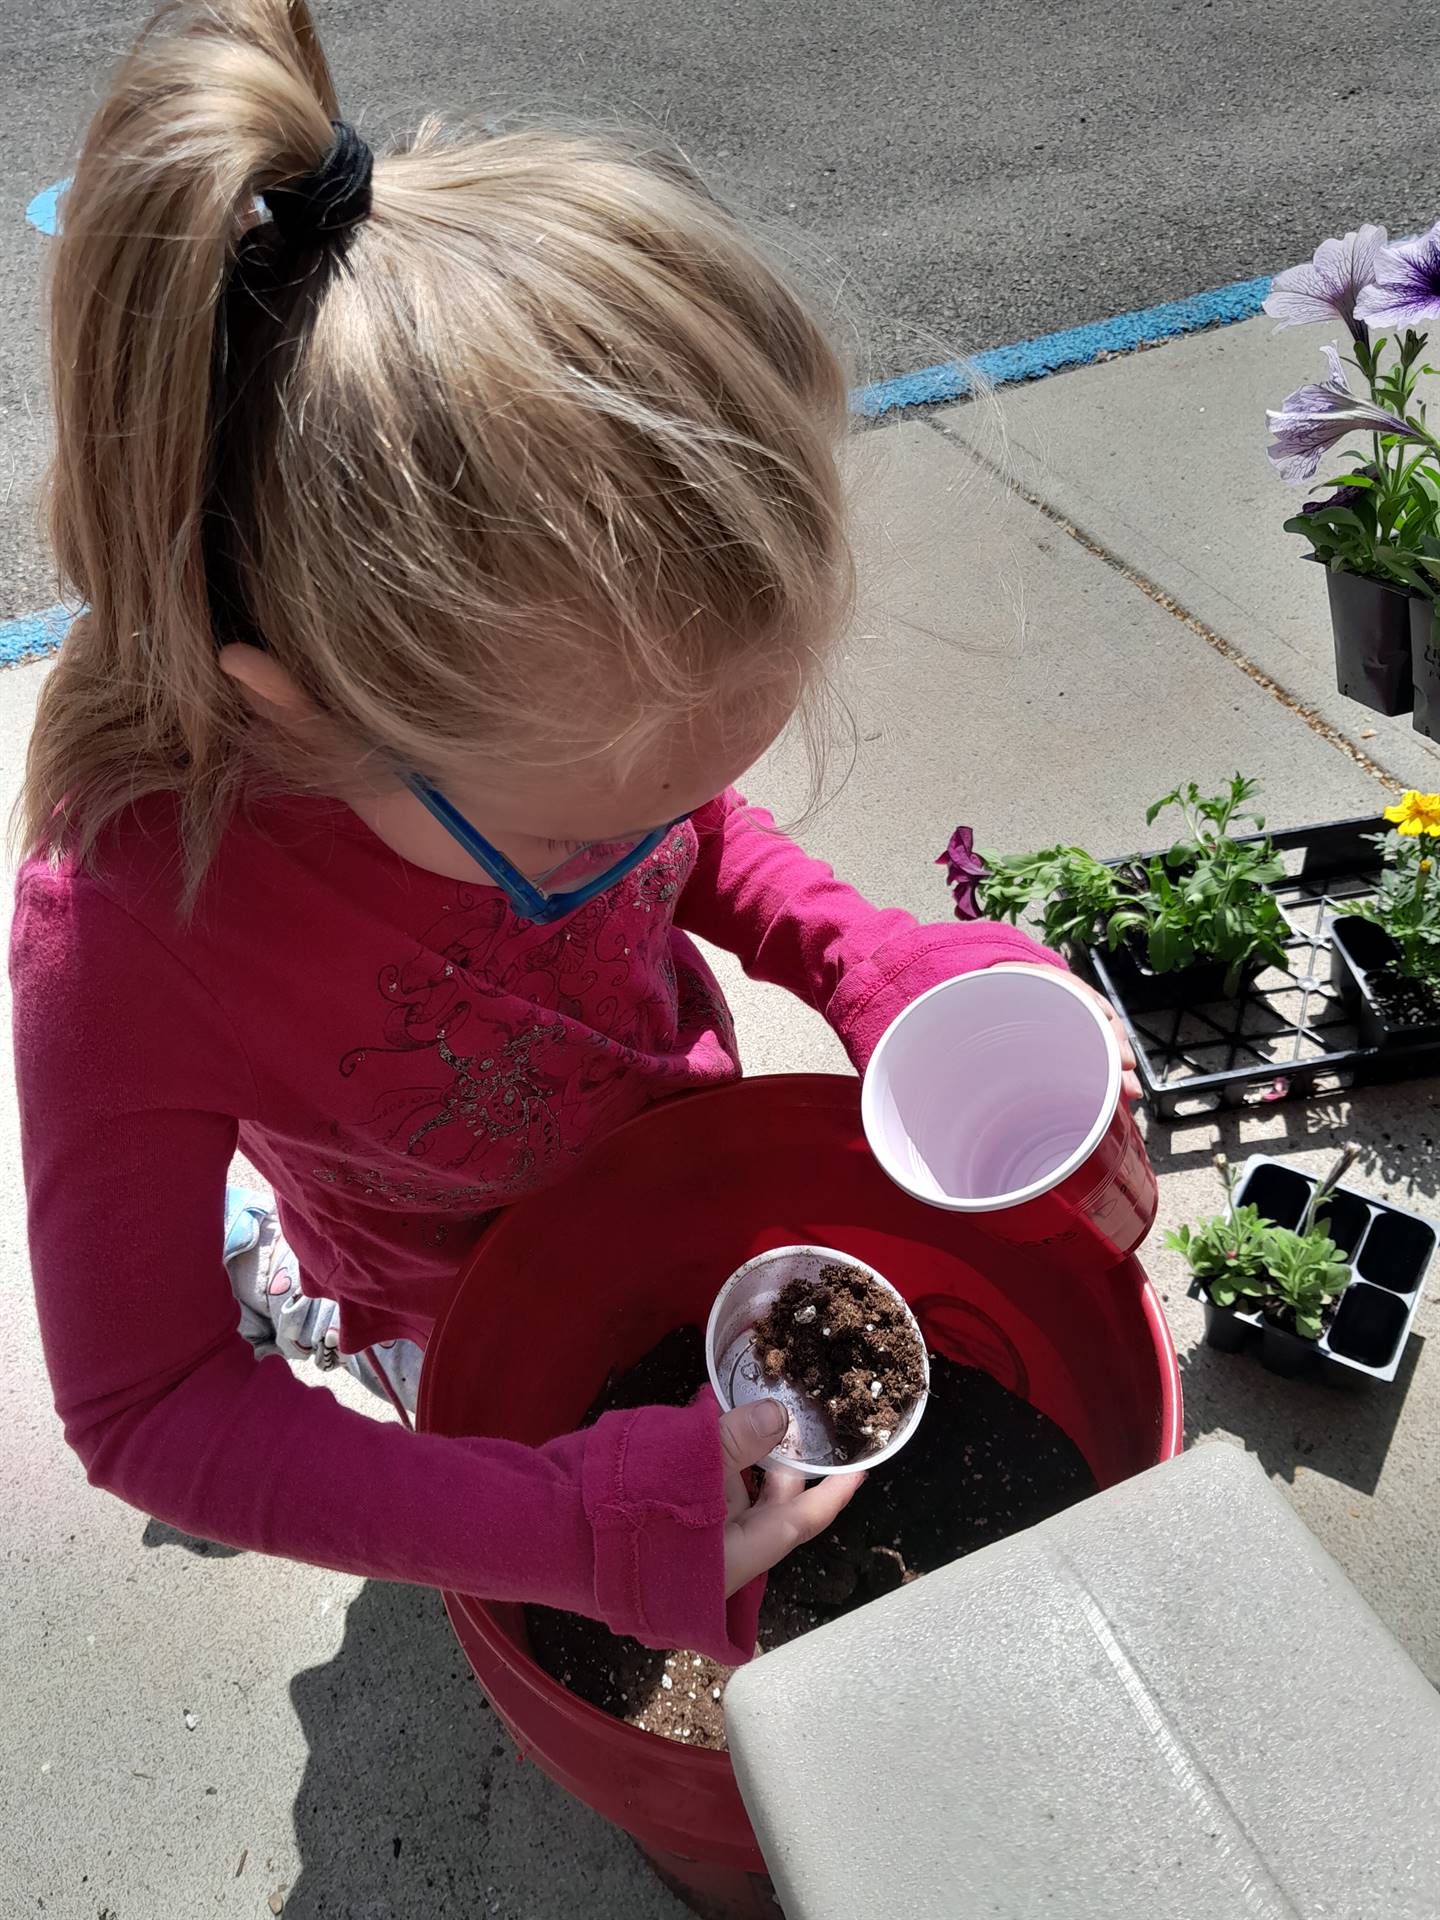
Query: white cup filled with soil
[(834, 1343)]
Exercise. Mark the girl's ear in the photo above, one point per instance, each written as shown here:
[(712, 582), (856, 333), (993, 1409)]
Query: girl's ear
[(271, 694), (265, 685)]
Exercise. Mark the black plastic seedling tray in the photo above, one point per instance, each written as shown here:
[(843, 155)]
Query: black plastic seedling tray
[(1389, 1249), (1286, 1033)]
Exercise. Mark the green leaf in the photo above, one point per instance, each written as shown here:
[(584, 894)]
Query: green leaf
[(1343, 517), (1300, 523)]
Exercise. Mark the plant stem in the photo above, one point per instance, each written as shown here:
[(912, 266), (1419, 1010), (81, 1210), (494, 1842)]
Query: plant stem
[(1227, 1181), (1322, 1190), (1417, 913)]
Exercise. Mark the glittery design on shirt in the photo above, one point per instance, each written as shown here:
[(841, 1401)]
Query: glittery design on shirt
[(524, 1040)]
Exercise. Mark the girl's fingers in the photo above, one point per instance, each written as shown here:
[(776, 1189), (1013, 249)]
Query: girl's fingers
[(772, 1527), (1127, 1051), (1130, 1084), (781, 1483), (747, 1434)]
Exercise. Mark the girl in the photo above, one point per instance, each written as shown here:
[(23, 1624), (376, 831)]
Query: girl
[(453, 535)]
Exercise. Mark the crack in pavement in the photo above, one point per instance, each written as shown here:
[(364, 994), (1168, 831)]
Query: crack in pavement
[(1317, 723)]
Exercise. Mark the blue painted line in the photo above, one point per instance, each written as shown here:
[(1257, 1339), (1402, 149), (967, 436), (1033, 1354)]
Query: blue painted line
[(1073, 347), (44, 210), (33, 635)]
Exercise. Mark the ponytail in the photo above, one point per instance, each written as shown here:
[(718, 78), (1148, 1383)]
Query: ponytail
[(216, 104)]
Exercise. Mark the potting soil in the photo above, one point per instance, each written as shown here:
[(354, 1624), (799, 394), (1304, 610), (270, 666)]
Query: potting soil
[(849, 1343), (982, 1464), (1404, 1002), (1283, 1317)]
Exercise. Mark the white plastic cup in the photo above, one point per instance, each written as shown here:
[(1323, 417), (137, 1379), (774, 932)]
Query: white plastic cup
[(999, 1093), (735, 1374)]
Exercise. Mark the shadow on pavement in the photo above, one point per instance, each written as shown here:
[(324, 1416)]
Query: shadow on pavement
[(1396, 1128), (1343, 1432), (159, 1533), (413, 1804)]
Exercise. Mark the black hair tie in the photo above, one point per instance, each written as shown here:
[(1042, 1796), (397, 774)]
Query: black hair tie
[(257, 325), (336, 196)]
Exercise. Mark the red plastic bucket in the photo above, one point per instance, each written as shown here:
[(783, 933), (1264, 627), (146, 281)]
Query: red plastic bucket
[(639, 1241)]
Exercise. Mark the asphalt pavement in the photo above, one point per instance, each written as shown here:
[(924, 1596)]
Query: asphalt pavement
[(951, 176)]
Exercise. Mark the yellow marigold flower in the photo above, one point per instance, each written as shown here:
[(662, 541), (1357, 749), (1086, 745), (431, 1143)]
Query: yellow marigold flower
[(1416, 813)]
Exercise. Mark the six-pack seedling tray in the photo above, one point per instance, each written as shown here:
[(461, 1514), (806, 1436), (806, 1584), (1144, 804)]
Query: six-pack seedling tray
[(1389, 1250), (1286, 1033)]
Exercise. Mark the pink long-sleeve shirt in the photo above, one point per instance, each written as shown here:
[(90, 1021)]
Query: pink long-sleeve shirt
[(400, 1056)]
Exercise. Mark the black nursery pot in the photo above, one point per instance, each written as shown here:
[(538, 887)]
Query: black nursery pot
[(1373, 642), (1284, 1352), (1227, 1329), (1145, 991), (1425, 665), (1390, 1011), (1370, 1326)]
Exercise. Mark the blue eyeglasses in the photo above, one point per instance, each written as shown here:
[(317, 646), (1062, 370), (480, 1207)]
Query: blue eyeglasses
[(582, 875)]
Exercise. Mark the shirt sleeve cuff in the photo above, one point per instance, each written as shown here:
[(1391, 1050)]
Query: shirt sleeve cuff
[(659, 1558)]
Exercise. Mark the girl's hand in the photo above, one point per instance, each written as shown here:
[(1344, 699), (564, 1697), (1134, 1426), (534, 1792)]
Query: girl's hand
[(787, 1514), (1130, 1084)]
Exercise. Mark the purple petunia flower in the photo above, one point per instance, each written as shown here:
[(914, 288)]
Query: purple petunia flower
[(964, 870), (1327, 287), (1315, 418), (1406, 285)]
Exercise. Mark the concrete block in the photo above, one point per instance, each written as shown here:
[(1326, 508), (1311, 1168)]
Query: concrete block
[(1168, 1700)]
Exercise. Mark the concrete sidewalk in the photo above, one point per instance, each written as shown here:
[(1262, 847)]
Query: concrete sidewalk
[(1007, 674), (1158, 461)]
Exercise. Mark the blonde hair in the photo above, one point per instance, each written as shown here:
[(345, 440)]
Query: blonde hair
[(540, 455)]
